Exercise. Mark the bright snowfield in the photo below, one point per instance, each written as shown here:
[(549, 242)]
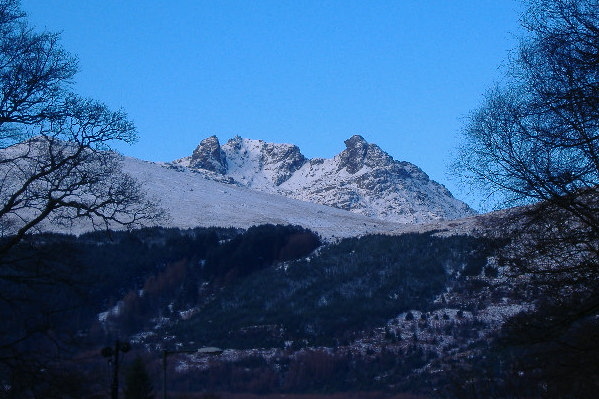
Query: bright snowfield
[(362, 178), (192, 200)]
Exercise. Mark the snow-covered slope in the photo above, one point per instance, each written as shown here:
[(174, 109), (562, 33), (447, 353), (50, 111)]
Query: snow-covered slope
[(362, 178), (192, 200)]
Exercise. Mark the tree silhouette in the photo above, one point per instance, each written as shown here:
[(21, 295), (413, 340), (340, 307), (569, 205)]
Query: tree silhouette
[(535, 142), (56, 168)]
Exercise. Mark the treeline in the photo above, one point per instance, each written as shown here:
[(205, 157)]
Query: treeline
[(257, 248), (58, 284), (207, 266), (261, 288), (71, 279), (328, 299)]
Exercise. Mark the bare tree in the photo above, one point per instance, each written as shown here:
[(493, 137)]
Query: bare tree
[(55, 160), (57, 167), (64, 173), (535, 141)]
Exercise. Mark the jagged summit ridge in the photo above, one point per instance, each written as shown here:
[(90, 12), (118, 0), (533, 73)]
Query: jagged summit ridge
[(252, 163), (359, 153), (362, 178), (259, 164), (209, 156)]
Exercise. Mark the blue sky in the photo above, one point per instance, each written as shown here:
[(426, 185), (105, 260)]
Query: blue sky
[(401, 73)]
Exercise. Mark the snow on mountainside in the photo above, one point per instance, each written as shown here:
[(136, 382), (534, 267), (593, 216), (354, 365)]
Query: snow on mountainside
[(362, 178), (250, 182), (192, 200)]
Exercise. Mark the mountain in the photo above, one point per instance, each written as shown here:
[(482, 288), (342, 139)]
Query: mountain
[(193, 200), (207, 192), (362, 178)]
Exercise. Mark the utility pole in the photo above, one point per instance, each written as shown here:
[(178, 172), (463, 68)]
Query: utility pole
[(113, 355)]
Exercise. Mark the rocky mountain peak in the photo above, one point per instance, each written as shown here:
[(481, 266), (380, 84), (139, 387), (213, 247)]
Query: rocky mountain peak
[(355, 141), (362, 178), (359, 152), (286, 157), (209, 156)]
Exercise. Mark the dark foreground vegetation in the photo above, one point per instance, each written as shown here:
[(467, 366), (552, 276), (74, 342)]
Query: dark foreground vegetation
[(241, 290), (388, 314), (344, 395)]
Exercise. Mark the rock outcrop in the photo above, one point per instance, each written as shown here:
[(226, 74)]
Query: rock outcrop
[(209, 156)]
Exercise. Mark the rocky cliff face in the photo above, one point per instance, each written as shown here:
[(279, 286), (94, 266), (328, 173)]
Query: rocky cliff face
[(358, 153), (362, 178), (209, 156)]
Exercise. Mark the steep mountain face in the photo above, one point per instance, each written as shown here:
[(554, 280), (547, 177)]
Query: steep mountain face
[(209, 156), (362, 178), (261, 165)]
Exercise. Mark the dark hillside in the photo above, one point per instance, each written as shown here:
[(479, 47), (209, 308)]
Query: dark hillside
[(376, 313), (356, 284)]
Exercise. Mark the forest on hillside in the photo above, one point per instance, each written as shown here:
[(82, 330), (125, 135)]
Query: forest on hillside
[(267, 287)]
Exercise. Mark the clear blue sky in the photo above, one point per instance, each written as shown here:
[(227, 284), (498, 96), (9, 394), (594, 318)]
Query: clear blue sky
[(402, 73)]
